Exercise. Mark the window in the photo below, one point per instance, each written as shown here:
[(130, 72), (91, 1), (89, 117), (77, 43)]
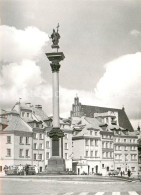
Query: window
[(125, 148), (40, 156), (91, 153), (104, 154), (21, 140), (35, 156), (37, 125), (111, 145), (91, 142), (47, 155), (35, 135), (86, 153), (27, 153), (66, 136), (86, 142), (133, 157), (96, 142), (66, 155), (102, 165), (96, 133), (27, 140), (23, 114), (35, 146), (96, 153), (40, 146), (47, 145), (27, 114), (91, 132), (8, 139), (40, 136), (21, 153), (126, 157), (66, 146), (132, 168), (8, 152), (124, 140)]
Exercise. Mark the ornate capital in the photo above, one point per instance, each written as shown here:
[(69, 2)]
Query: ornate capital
[(56, 133), (55, 67)]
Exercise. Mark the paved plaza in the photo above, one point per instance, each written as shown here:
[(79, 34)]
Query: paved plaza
[(31, 186)]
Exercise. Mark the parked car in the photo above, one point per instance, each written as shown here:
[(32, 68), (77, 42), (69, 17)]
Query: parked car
[(31, 170), (113, 172)]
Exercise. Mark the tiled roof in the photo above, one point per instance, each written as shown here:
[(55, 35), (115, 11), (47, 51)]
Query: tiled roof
[(41, 115), (122, 117), (17, 124), (93, 123)]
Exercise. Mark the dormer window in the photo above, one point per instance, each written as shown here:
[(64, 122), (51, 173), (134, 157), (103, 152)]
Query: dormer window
[(91, 132)]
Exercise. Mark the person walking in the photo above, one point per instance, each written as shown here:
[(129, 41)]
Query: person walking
[(129, 173), (121, 173), (20, 168)]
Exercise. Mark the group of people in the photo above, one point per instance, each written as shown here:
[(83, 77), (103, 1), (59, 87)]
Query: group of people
[(128, 173)]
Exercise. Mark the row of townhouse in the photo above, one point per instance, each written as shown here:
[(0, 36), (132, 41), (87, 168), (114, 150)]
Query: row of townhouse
[(103, 140), (24, 138), (96, 139)]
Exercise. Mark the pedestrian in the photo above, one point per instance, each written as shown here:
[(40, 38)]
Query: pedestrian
[(26, 169), (129, 173), (20, 168), (36, 169), (121, 173)]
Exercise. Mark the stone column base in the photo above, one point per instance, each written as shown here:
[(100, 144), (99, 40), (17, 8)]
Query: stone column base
[(56, 165)]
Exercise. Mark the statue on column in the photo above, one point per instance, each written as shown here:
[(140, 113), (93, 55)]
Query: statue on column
[(55, 38)]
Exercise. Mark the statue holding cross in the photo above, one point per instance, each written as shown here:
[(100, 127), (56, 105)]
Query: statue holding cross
[(55, 38)]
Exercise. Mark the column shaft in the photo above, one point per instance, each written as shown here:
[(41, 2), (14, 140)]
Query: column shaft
[(55, 79)]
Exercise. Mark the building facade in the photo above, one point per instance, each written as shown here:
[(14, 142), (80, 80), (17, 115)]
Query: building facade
[(103, 140), (24, 138)]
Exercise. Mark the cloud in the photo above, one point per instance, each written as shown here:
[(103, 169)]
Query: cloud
[(120, 84), (19, 74), (135, 33), (22, 77), (18, 44)]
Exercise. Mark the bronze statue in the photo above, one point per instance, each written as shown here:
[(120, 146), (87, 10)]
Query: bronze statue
[(55, 38)]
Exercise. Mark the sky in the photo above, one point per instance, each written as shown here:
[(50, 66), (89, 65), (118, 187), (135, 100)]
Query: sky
[(101, 41)]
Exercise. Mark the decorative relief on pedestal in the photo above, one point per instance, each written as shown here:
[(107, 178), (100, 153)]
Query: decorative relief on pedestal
[(55, 67), (56, 133)]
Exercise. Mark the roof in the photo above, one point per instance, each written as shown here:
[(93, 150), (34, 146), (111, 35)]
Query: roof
[(93, 123), (122, 117), (40, 114), (17, 124)]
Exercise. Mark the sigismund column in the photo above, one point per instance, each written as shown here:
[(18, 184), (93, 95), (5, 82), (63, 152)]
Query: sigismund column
[(56, 164)]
